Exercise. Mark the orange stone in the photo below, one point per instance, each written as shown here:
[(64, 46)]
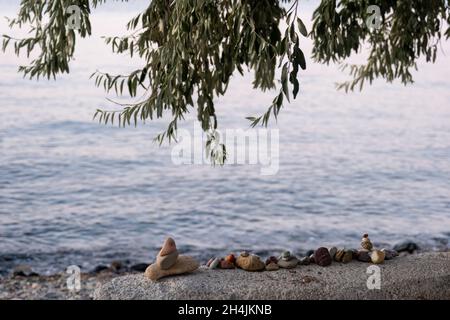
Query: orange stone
[(230, 258)]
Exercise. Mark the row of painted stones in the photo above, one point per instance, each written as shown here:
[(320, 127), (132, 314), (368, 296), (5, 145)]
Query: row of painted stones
[(322, 257), (169, 262)]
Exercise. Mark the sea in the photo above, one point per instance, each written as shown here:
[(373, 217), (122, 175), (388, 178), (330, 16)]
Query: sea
[(76, 192)]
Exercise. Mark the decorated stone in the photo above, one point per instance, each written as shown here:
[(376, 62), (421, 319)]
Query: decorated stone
[(250, 262), (208, 264), (214, 263), (339, 255), (365, 242), (322, 257), (348, 256), (225, 264), (230, 258), (377, 256)]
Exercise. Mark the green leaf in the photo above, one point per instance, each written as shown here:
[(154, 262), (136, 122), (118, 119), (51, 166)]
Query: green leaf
[(284, 80), (143, 75), (194, 48), (302, 27), (295, 83), (300, 58)]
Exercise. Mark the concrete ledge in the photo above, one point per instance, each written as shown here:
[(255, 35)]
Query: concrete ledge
[(420, 276)]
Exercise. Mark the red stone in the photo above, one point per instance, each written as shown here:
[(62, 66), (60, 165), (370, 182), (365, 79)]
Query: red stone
[(230, 258), (225, 264)]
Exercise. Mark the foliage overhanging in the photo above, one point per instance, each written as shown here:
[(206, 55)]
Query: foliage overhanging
[(191, 48)]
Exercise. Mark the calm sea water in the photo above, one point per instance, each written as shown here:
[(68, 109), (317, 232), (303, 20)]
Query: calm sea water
[(75, 192)]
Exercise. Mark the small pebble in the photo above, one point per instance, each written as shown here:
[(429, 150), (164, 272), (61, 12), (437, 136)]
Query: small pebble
[(99, 269), (332, 251), (322, 257), (339, 255), (272, 266), (245, 254), (215, 263), (365, 242), (24, 271), (139, 267), (363, 255), (304, 261), (407, 246), (117, 266), (286, 255), (288, 264), (348, 256), (230, 258), (250, 263), (377, 256), (225, 264), (271, 259), (389, 254)]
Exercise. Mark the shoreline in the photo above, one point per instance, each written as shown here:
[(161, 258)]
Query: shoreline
[(58, 264), (55, 286)]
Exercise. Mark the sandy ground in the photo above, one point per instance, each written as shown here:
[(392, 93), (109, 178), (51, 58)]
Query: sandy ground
[(418, 276)]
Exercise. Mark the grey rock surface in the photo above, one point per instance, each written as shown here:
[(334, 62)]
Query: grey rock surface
[(419, 276)]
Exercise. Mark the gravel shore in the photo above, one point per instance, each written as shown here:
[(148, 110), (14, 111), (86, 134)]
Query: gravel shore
[(53, 287)]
